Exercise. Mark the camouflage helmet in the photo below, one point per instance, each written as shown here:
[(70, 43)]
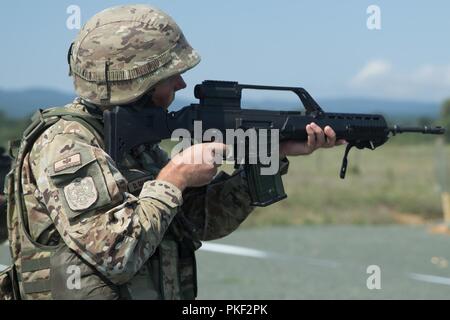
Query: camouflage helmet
[(123, 51)]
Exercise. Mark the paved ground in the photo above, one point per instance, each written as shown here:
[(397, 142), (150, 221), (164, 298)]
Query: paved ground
[(323, 262), (326, 262)]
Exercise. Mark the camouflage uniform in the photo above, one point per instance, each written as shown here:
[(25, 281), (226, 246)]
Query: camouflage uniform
[(127, 234), (116, 220)]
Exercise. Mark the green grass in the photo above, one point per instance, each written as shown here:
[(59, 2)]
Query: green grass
[(382, 186), (396, 183), (11, 129)]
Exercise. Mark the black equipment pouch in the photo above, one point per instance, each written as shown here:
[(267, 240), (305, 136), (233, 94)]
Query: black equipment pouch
[(9, 289), (5, 165)]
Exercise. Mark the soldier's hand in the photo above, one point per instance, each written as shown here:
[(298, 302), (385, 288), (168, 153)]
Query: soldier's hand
[(317, 138), (194, 167)]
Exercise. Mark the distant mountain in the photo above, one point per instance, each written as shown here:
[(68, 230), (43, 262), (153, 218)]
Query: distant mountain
[(390, 108), (19, 103)]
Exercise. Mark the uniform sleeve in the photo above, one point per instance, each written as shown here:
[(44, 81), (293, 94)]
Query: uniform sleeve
[(87, 199), (218, 209)]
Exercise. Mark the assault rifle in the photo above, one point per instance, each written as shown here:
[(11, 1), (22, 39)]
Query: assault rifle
[(219, 108)]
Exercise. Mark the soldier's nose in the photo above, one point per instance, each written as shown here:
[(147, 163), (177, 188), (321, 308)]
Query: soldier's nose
[(179, 83)]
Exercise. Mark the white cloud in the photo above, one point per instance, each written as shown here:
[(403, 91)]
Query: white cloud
[(425, 82), (373, 69), (432, 75)]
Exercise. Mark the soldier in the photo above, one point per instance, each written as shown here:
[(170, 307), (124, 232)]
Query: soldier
[(88, 228)]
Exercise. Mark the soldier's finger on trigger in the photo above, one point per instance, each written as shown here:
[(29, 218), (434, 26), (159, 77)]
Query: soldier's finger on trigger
[(217, 151), (221, 148), (208, 156)]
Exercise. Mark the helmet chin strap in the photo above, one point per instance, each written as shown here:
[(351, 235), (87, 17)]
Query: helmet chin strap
[(146, 101), (103, 85)]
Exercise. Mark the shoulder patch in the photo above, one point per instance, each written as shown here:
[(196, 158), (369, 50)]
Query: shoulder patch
[(68, 162), (81, 193)]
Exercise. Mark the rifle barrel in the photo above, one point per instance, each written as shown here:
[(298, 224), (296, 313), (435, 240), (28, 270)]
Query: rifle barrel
[(425, 130)]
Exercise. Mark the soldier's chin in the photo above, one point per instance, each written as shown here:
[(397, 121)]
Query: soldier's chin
[(172, 98)]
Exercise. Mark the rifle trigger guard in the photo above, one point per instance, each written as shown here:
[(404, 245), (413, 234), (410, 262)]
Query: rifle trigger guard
[(344, 160)]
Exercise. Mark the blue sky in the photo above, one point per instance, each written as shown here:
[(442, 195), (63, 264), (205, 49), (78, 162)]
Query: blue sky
[(324, 46)]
